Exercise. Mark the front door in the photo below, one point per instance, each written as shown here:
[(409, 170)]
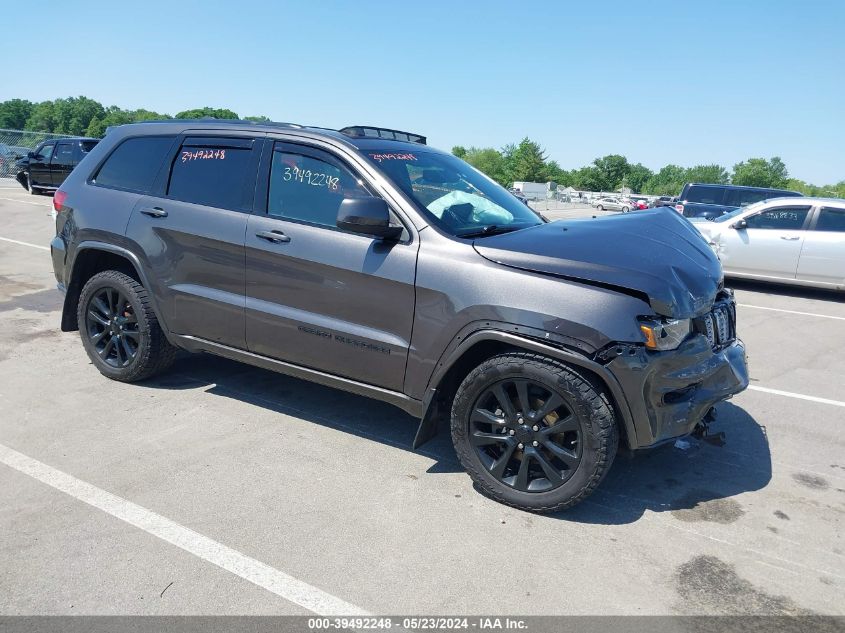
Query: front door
[(192, 235), (318, 296), (770, 244), (39, 166)]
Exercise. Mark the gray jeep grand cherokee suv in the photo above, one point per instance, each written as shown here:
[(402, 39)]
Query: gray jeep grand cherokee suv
[(364, 260)]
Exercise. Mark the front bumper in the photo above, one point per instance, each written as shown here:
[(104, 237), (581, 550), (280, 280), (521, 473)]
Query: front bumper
[(669, 393)]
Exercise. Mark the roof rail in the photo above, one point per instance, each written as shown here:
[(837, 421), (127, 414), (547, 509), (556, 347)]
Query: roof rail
[(368, 131)]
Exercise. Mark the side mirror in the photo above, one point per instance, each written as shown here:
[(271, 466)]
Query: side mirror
[(739, 224), (368, 216), (30, 154)]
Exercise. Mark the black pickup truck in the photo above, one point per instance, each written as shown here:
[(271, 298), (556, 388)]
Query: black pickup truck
[(710, 201), (46, 167)]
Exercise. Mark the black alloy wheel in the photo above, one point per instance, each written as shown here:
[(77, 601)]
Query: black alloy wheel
[(526, 435), (112, 327)]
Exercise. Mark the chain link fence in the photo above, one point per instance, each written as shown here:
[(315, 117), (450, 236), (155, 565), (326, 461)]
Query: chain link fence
[(15, 144)]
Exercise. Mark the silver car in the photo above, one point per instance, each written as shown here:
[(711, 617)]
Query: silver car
[(613, 204), (786, 240)]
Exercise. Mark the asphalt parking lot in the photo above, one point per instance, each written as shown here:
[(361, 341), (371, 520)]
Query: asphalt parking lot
[(221, 489)]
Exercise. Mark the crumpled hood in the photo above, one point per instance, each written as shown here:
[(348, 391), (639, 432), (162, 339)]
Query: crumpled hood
[(656, 253)]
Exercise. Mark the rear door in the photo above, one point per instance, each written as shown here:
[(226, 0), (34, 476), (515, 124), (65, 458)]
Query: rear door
[(192, 234), (62, 162), (39, 166), (319, 296), (823, 255), (769, 246)]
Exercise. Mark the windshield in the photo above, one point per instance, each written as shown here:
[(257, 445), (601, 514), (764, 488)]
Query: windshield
[(736, 212), (452, 194)]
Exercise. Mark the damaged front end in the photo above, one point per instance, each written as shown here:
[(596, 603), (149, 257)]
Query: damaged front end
[(672, 392)]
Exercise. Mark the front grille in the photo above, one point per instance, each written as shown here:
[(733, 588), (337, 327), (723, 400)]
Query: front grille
[(718, 325)]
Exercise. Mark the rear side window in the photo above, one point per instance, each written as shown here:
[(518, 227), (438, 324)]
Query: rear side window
[(216, 172), (705, 195), (134, 165), (779, 218), (64, 154), (87, 146), (831, 219)]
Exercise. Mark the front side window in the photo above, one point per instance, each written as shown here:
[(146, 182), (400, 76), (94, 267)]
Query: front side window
[(831, 219), (308, 188), (213, 172), (135, 163), (452, 194), (779, 218), (43, 154)]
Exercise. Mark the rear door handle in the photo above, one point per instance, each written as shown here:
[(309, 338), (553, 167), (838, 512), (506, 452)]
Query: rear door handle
[(277, 237), (154, 212), (789, 238)]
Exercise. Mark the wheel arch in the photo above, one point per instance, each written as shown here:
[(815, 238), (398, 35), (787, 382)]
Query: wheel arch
[(480, 345), (91, 258)]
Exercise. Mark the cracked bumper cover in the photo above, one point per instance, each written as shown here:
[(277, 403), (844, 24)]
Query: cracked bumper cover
[(669, 393)]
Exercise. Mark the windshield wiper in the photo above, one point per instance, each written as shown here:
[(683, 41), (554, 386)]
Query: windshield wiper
[(490, 229)]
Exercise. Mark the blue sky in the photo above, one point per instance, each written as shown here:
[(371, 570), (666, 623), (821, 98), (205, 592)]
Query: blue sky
[(660, 82)]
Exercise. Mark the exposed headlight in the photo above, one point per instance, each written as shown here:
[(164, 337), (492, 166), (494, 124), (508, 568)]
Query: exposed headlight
[(664, 334)]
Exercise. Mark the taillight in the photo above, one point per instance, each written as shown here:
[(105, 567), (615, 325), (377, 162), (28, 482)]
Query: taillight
[(59, 200), (679, 208)]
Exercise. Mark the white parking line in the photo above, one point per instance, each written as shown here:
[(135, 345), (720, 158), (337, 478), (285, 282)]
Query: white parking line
[(812, 314), (6, 239), (799, 396), (37, 204), (231, 560)]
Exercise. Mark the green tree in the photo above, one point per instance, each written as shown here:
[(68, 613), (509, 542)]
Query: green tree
[(554, 173), (258, 119), (64, 116), (612, 169), (759, 172), (589, 178), (199, 113), (490, 162), (637, 177), (667, 182), (526, 162), (708, 173), (460, 151), (14, 113)]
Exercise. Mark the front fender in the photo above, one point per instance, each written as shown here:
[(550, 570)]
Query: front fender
[(521, 338)]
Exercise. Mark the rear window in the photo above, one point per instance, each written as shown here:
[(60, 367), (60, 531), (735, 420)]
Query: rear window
[(705, 195), (134, 165), (216, 172), (831, 219)]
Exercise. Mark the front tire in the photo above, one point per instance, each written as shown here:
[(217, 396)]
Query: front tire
[(625, 209), (32, 189), (600, 208), (120, 331), (532, 432)]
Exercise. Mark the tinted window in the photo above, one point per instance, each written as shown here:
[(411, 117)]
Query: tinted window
[(705, 195), (64, 154), (87, 146), (44, 152), (213, 172), (744, 197), (135, 163), (782, 218), (309, 189), (831, 219)]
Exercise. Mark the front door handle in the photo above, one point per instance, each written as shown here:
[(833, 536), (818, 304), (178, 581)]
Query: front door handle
[(277, 237), (789, 238), (154, 212)]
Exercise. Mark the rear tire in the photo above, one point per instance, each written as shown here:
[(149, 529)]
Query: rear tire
[(532, 432), (600, 208), (625, 209), (120, 332)]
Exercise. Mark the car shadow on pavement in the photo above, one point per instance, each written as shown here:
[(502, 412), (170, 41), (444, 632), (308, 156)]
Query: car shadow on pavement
[(332, 408), (782, 290), (692, 479)]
